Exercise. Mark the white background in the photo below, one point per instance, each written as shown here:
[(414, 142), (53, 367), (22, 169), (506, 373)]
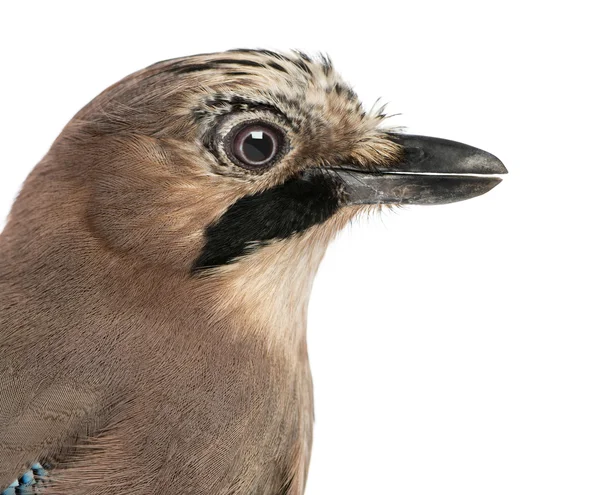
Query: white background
[(455, 349)]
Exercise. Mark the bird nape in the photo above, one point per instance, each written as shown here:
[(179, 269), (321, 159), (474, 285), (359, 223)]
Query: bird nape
[(157, 264)]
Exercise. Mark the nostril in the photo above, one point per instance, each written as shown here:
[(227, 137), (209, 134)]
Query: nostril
[(413, 154)]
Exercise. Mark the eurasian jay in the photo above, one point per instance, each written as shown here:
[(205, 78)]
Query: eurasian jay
[(156, 267)]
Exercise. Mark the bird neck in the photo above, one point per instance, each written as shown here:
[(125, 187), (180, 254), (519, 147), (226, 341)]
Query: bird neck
[(265, 295)]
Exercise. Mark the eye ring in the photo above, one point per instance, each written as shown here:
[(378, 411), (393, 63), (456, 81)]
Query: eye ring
[(254, 145)]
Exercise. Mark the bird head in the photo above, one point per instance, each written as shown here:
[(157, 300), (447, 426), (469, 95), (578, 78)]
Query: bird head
[(233, 171)]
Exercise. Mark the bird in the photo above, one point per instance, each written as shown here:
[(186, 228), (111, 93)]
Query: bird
[(156, 268)]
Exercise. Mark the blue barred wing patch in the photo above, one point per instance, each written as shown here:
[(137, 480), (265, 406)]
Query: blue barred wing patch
[(29, 482)]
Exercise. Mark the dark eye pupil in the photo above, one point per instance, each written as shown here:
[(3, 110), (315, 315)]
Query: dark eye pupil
[(257, 146), (254, 146)]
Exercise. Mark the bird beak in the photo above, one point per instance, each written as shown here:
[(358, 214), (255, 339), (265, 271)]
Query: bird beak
[(432, 171)]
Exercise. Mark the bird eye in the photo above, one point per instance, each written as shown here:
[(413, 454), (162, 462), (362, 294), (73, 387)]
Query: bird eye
[(254, 146)]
